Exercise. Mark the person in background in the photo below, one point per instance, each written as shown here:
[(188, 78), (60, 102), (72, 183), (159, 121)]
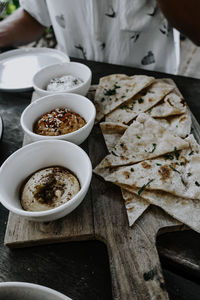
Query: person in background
[(135, 33)]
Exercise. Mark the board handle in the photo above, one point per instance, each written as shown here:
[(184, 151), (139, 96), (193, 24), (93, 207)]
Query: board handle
[(135, 267)]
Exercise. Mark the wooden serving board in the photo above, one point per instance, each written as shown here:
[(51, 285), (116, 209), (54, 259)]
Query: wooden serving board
[(134, 261)]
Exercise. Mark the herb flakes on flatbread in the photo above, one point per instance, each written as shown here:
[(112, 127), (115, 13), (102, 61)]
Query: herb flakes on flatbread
[(177, 173), (144, 139), (135, 205), (140, 103), (151, 160), (113, 90), (186, 211)]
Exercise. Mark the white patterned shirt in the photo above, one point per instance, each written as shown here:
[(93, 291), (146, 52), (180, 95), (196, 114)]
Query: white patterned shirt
[(126, 32)]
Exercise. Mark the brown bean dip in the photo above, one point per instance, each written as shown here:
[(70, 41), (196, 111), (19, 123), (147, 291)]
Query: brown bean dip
[(57, 122), (49, 188)]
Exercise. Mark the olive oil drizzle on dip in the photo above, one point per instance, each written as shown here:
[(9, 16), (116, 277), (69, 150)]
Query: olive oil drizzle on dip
[(57, 122), (49, 188)]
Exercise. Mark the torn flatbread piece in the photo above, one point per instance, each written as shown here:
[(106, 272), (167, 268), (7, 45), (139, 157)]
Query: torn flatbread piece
[(177, 173), (180, 125), (113, 90), (140, 103), (144, 139), (172, 104), (135, 206), (104, 171), (186, 211), (112, 132)]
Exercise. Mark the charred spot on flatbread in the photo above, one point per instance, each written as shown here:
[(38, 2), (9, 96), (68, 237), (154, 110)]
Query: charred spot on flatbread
[(164, 172), (126, 174), (145, 165), (183, 118)]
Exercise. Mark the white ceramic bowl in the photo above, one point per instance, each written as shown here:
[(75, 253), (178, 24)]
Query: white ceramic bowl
[(28, 291), (76, 103), (33, 157), (43, 77)]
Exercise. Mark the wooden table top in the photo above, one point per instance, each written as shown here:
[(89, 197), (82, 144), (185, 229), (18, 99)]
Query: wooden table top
[(81, 269)]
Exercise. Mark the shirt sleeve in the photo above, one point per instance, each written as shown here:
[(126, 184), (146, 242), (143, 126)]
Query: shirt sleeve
[(38, 10)]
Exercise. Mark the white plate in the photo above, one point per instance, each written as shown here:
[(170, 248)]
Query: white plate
[(17, 67), (1, 126)]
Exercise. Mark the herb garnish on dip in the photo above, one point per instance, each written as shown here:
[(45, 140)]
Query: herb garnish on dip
[(49, 188)]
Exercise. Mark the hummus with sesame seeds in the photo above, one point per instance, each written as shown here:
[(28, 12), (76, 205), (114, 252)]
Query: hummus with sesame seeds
[(49, 188), (58, 122)]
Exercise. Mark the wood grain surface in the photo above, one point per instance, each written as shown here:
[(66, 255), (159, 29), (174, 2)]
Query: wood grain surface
[(134, 262)]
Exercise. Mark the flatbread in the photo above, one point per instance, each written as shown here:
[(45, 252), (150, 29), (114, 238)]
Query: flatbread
[(140, 103), (186, 211), (177, 173), (177, 193), (135, 206), (113, 90), (179, 125), (144, 139), (172, 104), (112, 132)]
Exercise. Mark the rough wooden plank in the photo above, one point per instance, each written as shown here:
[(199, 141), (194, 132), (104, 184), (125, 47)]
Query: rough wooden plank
[(134, 262), (76, 226)]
